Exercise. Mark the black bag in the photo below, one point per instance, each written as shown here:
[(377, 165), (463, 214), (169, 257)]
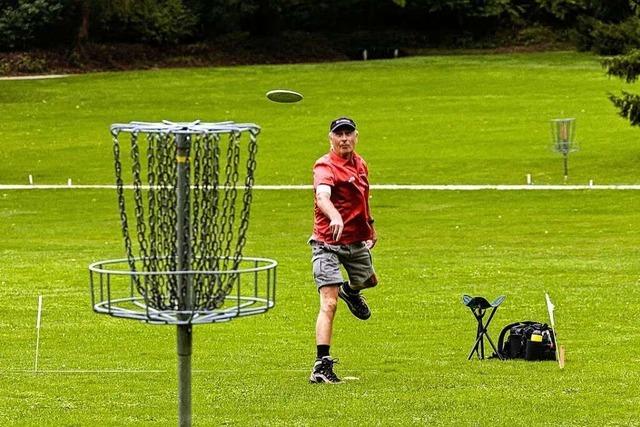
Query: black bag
[(527, 340)]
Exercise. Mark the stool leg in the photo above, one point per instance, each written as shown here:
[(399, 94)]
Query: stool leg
[(481, 330), (478, 314), (475, 348), (494, 347), (485, 332), (486, 325)]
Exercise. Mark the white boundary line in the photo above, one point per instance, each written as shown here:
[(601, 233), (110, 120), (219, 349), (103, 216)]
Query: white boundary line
[(135, 371), (411, 187)]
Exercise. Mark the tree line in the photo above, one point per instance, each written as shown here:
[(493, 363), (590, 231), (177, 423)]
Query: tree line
[(605, 26)]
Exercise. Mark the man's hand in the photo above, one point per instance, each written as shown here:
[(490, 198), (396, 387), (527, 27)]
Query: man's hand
[(323, 198), (336, 226), (374, 239)]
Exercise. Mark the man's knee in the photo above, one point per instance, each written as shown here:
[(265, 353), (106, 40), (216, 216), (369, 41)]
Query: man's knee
[(371, 282), (328, 299), (329, 305)]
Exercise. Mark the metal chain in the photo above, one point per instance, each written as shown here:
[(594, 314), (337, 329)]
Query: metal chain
[(155, 284), (246, 205), (247, 197), (169, 181), (123, 212), (197, 201), (151, 282), (207, 183), (233, 160), (137, 193), (211, 247), (211, 206)]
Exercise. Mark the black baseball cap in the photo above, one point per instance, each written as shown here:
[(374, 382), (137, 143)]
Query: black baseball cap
[(341, 122)]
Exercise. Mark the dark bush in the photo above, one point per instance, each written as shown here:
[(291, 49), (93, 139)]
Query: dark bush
[(23, 23), (147, 21)]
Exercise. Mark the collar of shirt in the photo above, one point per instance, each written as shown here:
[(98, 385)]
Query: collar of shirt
[(351, 160)]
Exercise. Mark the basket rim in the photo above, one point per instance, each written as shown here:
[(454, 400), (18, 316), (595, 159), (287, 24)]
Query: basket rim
[(98, 267)]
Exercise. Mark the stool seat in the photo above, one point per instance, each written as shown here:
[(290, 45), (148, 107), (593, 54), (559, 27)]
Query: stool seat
[(479, 306), (480, 302)]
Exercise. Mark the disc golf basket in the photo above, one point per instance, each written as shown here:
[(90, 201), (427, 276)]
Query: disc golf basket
[(184, 191), (563, 135)]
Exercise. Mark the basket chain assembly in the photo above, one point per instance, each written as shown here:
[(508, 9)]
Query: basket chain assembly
[(211, 206)]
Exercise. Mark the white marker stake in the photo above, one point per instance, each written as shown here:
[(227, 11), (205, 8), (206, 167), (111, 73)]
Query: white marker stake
[(69, 182), (30, 179), (38, 330), (559, 349), (528, 179)]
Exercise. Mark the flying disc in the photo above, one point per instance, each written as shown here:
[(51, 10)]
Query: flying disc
[(283, 95)]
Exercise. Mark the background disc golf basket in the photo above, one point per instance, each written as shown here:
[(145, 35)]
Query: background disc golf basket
[(184, 194), (563, 135)]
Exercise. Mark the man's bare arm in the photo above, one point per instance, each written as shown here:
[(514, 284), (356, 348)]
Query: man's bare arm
[(323, 199)]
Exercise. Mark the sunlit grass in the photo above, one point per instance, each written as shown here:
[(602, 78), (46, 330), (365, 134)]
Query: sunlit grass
[(469, 119)]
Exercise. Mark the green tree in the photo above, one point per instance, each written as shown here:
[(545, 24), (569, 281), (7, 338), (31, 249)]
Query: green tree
[(626, 67)]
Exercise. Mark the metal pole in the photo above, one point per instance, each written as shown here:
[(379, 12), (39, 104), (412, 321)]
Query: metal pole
[(185, 291), (184, 374), (566, 167)]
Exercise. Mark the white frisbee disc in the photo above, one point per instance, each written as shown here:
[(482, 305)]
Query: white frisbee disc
[(283, 95)]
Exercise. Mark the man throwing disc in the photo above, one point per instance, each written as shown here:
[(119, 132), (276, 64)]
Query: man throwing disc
[(343, 234)]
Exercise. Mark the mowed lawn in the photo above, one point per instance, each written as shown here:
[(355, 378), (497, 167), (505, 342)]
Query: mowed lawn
[(409, 358), (432, 120), (474, 119)]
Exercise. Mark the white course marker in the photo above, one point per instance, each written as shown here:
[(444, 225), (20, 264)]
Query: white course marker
[(30, 179), (528, 179), (38, 331)]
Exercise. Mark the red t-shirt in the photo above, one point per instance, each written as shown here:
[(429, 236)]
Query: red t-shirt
[(349, 182)]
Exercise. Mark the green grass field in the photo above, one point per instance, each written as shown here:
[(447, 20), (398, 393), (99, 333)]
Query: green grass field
[(430, 120)]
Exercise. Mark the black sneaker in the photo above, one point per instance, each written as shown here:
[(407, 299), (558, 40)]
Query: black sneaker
[(355, 302), (322, 371)]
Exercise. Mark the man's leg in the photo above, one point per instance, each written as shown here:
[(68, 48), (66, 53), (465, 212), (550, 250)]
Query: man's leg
[(328, 305), (326, 273), (371, 282), (323, 368), (355, 301), (359, 267)]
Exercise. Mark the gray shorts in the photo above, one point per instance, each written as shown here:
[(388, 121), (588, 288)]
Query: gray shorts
[(355, 258)]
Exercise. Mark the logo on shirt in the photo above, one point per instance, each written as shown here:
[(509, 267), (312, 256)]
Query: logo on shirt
[(352, 178)]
